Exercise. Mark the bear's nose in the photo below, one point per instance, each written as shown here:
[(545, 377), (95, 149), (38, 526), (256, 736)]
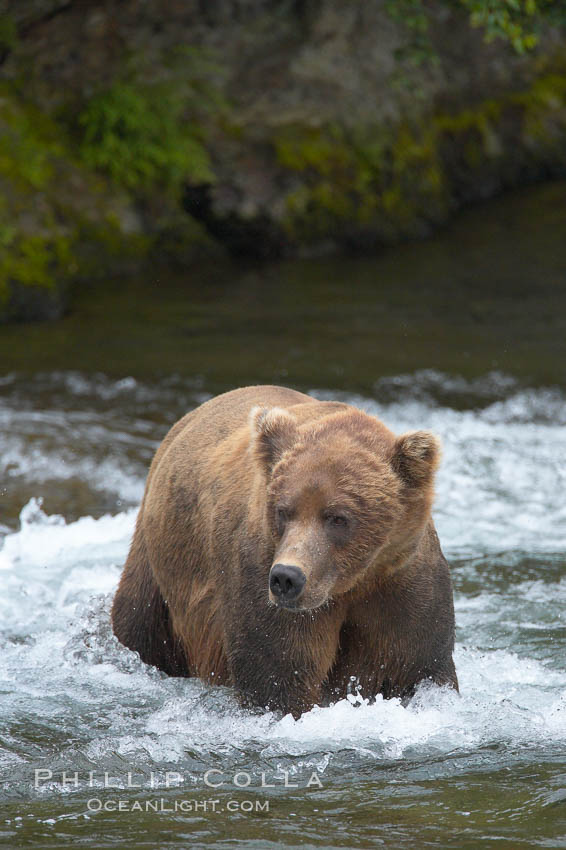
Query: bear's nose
[(286, 581)]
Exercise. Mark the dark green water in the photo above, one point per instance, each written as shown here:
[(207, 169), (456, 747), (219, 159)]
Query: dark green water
[(487, 293), (464, 334)]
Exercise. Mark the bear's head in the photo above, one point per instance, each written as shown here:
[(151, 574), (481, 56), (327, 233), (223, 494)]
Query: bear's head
[(345, 498)]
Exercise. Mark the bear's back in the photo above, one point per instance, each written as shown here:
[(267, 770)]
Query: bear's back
[(219, 418)]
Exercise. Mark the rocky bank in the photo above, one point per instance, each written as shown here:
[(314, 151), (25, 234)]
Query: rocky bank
[(135, 131)]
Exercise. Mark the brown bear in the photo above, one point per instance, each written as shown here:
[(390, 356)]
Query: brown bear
[(285, 545)]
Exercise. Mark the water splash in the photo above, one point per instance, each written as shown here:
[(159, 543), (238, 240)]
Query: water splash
[(76, 697)]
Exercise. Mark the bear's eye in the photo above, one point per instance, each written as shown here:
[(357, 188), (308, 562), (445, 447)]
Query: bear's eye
[(337, 520), (282, 516)]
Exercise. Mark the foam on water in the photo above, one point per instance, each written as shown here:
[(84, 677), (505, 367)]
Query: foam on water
[(94, 702), (49, 565), (49, 447)]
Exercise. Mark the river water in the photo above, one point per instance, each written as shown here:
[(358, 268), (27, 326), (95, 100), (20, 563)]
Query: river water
[(97, 749)]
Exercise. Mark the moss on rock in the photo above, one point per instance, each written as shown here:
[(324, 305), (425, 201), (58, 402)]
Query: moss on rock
[(61, 222), (380, 184), (366, 184), (266, 131)]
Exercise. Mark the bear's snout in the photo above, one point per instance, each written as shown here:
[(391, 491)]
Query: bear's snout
[(286, 582)]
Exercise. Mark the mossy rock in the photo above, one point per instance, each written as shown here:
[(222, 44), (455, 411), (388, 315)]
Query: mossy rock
[(370, 185), (382, 183), (61, 223)]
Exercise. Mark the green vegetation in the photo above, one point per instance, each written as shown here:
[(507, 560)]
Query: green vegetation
[(351, 180), (58, 221), (8, 34), (69, 185), (515, 21), (32, 260), (146, 133), (395, 183), (34, 249), (27, 142), (412, 15), (137, 137), (93, 182)]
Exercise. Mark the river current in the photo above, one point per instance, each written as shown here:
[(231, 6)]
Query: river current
[(99, 750)]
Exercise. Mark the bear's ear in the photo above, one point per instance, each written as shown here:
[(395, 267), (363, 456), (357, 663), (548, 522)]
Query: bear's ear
[(415, 457), (274, 430)]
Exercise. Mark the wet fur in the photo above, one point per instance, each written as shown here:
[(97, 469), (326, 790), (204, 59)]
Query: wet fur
[(193, 597)]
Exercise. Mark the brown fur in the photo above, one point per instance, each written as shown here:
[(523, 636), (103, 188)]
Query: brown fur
[(266, 475)]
